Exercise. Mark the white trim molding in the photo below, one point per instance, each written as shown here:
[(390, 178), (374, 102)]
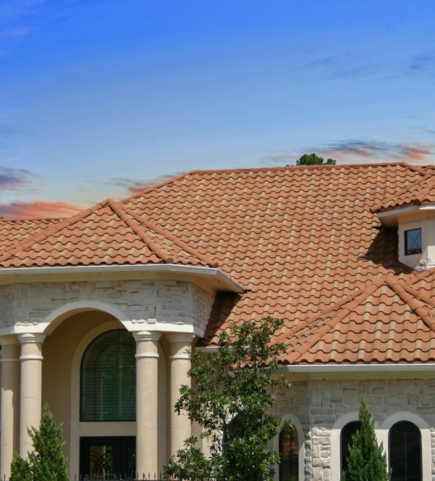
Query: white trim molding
[(220, 280), (301, 442), (426, 450), (378, 368)]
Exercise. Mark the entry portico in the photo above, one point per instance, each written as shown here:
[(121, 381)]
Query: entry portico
[(42, 357)]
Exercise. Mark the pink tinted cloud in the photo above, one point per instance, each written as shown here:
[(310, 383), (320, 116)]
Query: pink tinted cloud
[(38, 209), (416, 152), (360, 151)]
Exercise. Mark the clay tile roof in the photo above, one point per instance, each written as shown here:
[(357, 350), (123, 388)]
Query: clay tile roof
[(385, 322), (107, 233), (420, 193), (13, 232), (298, 238)]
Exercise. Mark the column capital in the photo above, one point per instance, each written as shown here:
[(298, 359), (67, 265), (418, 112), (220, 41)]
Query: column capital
[(31, 338), (146, 336), (187, 338)]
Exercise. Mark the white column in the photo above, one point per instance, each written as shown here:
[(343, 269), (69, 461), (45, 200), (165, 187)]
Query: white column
[(147, 361), (31, 387), (10, 402), (180, 425)]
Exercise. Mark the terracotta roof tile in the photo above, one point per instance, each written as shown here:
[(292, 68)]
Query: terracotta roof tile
[(420, 193), (17, 231), (298, 238), (385, 322), (109, 234)]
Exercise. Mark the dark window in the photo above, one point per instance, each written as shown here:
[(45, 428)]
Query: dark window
[(405, 452), (108, 378), (413, 242), (289, 450), (346, 440)]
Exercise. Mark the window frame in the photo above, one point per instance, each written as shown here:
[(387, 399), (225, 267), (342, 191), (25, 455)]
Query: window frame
[(354, 422), (294, 456), (391, 432), (301, 438), (426, 438), (81, 416), (407, 249)]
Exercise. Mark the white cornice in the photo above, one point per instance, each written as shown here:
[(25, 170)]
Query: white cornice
[(326, 368), (222, 281), (405, 210)]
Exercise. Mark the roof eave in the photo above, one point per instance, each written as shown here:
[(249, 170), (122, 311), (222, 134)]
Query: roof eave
[(337, 368), (389, 218), (222, 281)]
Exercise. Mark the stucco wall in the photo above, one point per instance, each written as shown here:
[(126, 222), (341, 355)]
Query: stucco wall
[(141, 301), (319, 404)]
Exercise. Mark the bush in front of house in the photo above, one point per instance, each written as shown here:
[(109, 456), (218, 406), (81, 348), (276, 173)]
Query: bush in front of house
[(46, 462)]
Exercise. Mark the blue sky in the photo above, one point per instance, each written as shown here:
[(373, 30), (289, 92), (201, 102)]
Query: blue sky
[(99, 98)]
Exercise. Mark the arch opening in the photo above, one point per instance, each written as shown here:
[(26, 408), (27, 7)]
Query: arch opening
[(289, 451), (405, 452), (108, 378)]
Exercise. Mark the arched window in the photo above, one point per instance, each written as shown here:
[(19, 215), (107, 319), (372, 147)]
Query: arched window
[(289, 451), (405, 452), (108, 378), (346, 440)]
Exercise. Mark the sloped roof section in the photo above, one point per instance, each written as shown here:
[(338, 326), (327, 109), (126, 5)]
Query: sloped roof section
[(385, 322), (421, 192), (13, 232), (106, 234), (298, 238)]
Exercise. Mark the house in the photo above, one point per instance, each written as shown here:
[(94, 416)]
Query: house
[(98, 310)]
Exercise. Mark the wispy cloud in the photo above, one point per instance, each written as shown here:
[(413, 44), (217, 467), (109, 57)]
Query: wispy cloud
[(19, 180), (38, 209), (126, 186), (364, 150), (338, 66), (359, 151), (424, 63)]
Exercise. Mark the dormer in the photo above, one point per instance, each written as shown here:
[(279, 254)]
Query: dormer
[(412, 211)]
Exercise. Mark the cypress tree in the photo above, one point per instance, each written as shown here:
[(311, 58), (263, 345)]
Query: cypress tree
[(46, 462), (366, 460)]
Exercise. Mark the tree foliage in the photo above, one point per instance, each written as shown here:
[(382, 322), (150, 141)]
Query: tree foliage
[(314, 159), (366, 460), (233, 391), (46, 462)]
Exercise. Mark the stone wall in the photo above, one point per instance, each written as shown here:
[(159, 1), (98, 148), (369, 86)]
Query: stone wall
[(318, 404), (142, 301)]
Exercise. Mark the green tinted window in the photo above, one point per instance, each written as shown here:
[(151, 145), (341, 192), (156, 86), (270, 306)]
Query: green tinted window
[(108, 378)]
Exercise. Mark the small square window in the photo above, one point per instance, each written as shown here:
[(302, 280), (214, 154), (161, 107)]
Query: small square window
[(413, 243)]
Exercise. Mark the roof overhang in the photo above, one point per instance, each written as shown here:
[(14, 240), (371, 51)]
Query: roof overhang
[(336, 368), (390, 218), (214, 277)]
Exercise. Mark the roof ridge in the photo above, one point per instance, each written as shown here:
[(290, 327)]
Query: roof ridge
[(429, 186), (151, 225), (336, 305), (323, 330), (426, 176), (13, 250), (416, 293), (406, 297), (273, 169), (140, 232)]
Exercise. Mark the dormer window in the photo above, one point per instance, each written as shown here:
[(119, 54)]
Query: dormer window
[(413, 242)]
